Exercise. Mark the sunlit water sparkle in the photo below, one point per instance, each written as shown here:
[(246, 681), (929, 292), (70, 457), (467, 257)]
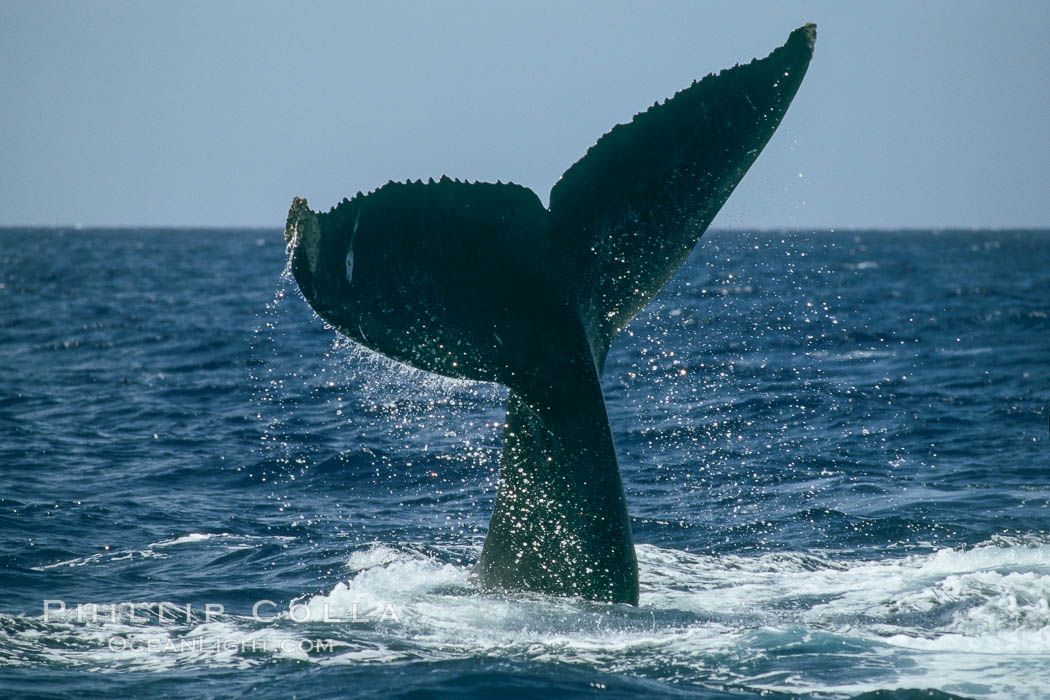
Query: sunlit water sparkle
[(834, 447)]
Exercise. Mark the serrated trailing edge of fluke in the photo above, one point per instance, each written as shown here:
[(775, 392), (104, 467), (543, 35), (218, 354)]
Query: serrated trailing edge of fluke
[(298, 202), (806, 33)]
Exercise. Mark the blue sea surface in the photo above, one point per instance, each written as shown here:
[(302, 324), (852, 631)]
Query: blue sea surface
[(834, 446)]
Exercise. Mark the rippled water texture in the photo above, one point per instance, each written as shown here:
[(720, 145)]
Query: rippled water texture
[(835, 449)]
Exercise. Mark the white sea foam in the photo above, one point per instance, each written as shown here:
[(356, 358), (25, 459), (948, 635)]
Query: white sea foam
[(227, 540), (185, 539), (964, 351), (974, 621)]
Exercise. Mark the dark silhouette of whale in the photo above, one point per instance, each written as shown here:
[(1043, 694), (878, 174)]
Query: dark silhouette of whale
[(480, 281)]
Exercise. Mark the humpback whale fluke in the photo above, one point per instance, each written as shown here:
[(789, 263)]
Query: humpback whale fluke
[(480, 281)]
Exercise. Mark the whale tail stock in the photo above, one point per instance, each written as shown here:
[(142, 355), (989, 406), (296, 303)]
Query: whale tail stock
[(480, 281)]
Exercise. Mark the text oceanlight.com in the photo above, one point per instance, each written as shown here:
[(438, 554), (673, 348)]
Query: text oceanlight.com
[(233, 646), (168, 613)]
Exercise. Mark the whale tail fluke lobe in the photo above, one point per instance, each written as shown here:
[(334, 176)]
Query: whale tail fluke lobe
[(634, 206), (480, 281)]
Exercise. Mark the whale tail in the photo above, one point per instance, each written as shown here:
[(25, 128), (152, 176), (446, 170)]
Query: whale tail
[(480, 281)]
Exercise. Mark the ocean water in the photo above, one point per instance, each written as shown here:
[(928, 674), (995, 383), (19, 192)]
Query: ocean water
[(834, 446)]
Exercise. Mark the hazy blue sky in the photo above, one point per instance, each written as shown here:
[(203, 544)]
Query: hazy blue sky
[(217, 113)]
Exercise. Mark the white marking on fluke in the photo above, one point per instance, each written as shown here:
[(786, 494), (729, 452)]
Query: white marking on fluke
[(350, 249)]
